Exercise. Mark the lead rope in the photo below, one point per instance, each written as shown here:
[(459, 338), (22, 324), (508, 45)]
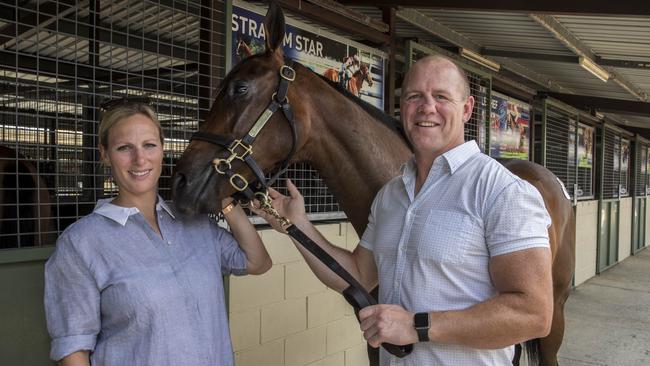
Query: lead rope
[(355, 294)]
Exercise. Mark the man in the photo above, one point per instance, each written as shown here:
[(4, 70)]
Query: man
[(350, 65), (457, 244)]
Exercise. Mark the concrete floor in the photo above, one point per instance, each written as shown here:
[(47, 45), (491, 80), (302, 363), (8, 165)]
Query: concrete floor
[(608, 317)]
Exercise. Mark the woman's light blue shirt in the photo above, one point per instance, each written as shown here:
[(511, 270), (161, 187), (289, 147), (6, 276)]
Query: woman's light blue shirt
[(116, 288)]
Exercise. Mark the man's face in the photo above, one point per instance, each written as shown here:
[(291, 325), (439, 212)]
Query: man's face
[(434, 107)]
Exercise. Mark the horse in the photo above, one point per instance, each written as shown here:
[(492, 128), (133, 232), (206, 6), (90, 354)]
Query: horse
[(25, 205), (243, 49), (355, 147), (356, 80)]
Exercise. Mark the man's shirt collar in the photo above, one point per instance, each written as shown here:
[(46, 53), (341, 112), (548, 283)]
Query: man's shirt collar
[(453, 158)]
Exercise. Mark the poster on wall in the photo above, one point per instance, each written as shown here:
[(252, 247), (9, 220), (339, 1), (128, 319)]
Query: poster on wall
[(357, 68), (509, 127), (585, 146)]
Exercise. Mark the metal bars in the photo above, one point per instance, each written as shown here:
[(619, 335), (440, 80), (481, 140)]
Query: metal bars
[(59, 61)]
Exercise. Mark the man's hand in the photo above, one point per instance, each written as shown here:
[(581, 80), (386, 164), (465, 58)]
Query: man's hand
[(387, 324), (291, 207)]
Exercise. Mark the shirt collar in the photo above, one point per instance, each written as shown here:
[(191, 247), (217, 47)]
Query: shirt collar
[(457, 156), (453, 158), (120, 214)]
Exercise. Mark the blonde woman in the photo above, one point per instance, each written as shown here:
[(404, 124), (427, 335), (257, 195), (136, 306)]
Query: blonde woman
[(133, 283)]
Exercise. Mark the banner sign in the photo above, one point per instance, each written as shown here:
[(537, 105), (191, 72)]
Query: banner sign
[(585, 146), (509, 127), (354, 66)]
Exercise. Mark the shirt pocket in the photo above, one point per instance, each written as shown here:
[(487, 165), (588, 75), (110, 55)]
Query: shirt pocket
[(447, 237)]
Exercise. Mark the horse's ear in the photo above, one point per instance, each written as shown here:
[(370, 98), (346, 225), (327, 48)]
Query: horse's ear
[(274, 27)]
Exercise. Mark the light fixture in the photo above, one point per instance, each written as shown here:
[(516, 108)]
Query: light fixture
[(593, 68), (473, 56)]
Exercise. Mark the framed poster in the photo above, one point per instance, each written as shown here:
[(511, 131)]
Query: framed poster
[(509, 127), (356, 67)]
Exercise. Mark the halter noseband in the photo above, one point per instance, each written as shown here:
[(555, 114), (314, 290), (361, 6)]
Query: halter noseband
[(242, 149)]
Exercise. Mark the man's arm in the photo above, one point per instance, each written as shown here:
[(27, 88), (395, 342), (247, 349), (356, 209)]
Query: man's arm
[(522, 310), (360, 263)]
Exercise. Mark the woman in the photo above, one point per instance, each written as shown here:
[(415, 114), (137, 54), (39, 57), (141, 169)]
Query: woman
[(133, 283)]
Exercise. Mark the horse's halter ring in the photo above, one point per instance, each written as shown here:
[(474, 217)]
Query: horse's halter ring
[(242, 148)]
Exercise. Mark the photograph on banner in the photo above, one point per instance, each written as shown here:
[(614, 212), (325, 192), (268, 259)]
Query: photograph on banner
[(509, 127), (585, 146), (356, 68), (625, 163)]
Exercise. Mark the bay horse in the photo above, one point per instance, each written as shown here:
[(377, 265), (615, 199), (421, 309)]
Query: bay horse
[(25, 206), (356, 80), (355, 147), (243, 49)]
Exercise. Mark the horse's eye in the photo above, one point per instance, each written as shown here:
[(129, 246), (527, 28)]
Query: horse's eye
[(239, 88)]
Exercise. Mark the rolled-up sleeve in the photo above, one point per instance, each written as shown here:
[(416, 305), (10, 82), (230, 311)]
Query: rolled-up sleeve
[(517, 220), (233, 259), (72, 302)]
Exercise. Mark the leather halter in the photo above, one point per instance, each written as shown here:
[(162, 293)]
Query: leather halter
[(242, 149)]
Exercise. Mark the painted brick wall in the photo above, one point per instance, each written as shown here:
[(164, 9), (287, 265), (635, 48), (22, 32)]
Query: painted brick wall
[(586, 240), (287, 317), (625, 229)]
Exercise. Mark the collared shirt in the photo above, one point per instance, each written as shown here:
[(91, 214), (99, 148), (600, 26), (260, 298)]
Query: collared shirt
[(432, 250), (116, 288)]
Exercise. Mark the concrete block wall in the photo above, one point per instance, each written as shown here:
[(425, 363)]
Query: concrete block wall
[(625, 228), (586, 240), (287, 317)]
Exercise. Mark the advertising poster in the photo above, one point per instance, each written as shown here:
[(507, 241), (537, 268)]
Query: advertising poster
[(585, 146), (509, 127), (358, 68)]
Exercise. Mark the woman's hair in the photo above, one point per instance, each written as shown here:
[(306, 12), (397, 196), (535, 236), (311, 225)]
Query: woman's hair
[(122, 111)]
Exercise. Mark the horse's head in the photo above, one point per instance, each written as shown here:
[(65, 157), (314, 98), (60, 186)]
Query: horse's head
[(241, 127), (365, 71)]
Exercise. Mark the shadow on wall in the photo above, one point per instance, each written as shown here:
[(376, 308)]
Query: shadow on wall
[(25, 205)]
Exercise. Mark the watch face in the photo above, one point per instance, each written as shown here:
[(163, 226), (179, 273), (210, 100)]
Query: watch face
[(421, 320)]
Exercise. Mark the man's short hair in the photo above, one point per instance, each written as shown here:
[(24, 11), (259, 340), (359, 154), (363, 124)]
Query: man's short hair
[(461, 72)]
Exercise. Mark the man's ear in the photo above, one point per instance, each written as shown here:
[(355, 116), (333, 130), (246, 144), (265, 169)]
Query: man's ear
[(468, 107)]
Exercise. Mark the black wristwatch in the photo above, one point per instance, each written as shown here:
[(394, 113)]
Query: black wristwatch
[(422, 323)]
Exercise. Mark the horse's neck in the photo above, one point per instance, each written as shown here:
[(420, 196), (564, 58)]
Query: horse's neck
[(355, 154)]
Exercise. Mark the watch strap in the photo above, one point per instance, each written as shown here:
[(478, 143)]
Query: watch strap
[(422, 323)]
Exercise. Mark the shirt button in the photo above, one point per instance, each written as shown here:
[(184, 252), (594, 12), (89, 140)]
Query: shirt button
[(169, 242)]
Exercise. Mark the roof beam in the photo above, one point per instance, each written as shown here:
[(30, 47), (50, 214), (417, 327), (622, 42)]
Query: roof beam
[(437, 29), (335, 20), (622, 64), (579, 48), (592, 7), (604, 104), (529, 55), (35, 18)]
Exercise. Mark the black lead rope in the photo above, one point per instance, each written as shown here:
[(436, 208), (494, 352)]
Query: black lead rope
[(355, 294)]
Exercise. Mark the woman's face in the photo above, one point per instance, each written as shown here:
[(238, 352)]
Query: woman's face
[(135, 154)]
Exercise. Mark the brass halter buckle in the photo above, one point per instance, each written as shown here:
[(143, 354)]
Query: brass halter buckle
[(265, 205), (223, 165)]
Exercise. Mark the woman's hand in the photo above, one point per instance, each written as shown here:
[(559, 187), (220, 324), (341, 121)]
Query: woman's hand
[(292, 207)]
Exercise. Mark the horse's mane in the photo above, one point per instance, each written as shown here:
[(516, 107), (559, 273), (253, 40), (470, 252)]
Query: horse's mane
[(378, 114)]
